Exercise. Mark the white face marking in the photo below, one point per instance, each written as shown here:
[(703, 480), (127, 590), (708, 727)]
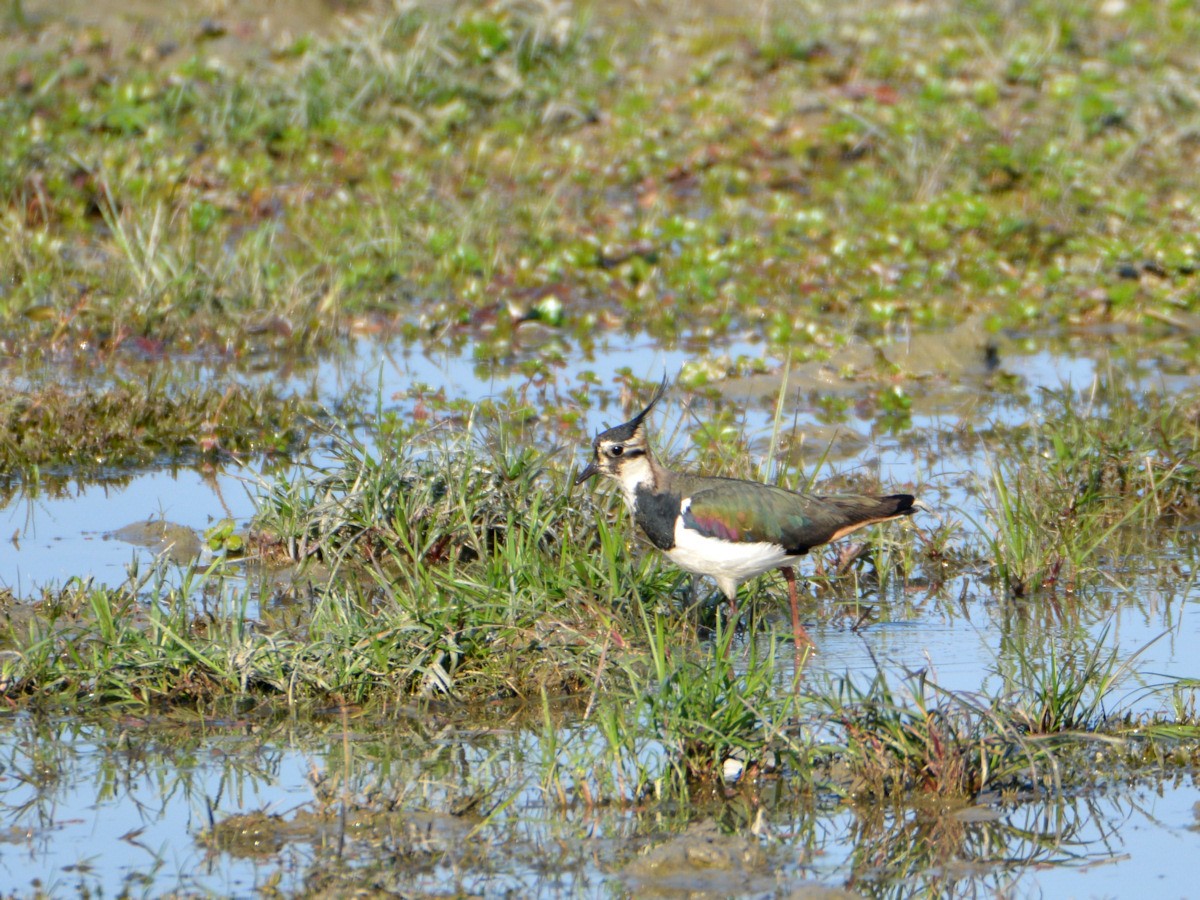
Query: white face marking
[(728, 563), (634, 473), (628, 464)]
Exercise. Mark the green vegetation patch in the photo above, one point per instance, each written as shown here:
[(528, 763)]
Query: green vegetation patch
[(445, 169), (56, 431)]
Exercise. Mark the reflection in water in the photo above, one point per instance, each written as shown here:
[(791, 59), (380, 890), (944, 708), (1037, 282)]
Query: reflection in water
[(976, 850), (440, 804)]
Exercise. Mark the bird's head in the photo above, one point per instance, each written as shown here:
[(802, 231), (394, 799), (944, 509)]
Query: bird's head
[(622, 452)]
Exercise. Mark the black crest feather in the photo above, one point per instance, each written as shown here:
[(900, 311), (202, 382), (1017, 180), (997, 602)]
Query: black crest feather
[(626, 430)]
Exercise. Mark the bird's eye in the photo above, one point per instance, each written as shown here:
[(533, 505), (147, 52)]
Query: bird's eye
[(616, 450)]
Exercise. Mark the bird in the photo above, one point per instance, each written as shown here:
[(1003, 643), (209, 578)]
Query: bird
[(730, 529)]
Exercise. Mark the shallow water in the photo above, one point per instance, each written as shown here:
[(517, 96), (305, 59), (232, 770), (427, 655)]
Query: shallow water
[(105, 808), (133, 806)]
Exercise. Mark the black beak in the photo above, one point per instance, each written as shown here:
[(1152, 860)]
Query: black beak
[(588, 471)]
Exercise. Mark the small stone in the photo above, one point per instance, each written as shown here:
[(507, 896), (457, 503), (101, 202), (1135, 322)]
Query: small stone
[(732, 769)]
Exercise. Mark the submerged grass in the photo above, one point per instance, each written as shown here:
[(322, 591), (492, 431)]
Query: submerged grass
[(1088, 482), (921, 739)]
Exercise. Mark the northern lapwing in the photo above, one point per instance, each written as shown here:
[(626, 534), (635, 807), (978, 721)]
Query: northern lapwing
[(729, 528)]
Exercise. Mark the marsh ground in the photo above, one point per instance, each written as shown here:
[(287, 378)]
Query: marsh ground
[(309, 309)]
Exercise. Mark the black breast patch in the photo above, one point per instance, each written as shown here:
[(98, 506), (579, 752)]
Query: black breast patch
[(656, 515)]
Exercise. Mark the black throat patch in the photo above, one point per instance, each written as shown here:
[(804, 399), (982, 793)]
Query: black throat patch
[(656, 515)]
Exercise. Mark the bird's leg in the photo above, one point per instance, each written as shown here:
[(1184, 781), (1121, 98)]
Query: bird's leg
[(801, 642), (799, 634), (733, 613)]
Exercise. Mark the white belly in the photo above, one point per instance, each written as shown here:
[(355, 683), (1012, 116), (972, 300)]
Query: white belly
[(730, 564)]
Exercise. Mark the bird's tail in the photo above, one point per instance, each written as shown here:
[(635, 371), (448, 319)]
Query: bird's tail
[(860, 511)]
